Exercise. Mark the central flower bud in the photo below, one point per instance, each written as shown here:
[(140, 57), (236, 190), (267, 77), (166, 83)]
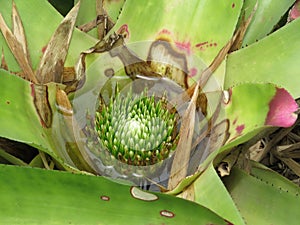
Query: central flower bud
[(138, 130)]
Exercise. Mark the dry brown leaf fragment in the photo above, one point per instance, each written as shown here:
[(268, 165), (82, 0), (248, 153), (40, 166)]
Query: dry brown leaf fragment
[(228, 162), (188, 193), (292, 164), (18, 31), (17, 50), (102, 20), (182, 154), (51, 65), (100, 11), (242, 30), (42, 105)]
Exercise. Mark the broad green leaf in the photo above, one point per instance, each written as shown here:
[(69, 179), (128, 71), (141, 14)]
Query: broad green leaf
[(19, 119), (255, 105), (185, 25), (252, 108), (270, 176), (211, 193), (35, 196), (272, 59), (177, 19), (265, 18), (113, 8), (264, 198)]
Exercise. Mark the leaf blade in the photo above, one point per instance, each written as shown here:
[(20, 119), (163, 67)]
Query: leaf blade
[(84, 199)]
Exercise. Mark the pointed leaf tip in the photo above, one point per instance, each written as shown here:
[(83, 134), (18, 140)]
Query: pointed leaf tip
[(282, 109)]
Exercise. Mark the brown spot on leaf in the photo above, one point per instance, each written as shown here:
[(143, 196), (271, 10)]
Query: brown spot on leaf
[(204, 45), (44, 49), (201, 44), (234, 121), (167, 213), (105, 198), (109, 72)]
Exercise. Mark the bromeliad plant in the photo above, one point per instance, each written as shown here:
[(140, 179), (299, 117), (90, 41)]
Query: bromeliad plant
[(66, 102)]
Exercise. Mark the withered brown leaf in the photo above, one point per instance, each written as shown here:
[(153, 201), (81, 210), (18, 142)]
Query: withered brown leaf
[(41, 103), (17, 48), (51, 65), (18, 31)]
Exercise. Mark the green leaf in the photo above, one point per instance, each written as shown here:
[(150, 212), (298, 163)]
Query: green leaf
[(185, 25), (273, 59), (211, 193), (113, 8), (250, 107), (264, 198), (35, 196), (179, 19), (86, 14), (265, 18), (18, 116)]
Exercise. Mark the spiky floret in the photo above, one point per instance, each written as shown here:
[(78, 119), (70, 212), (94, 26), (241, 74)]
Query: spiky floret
[(137, 129)]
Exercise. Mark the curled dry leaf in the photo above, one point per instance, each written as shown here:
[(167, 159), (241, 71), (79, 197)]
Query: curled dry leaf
[(228, 162)]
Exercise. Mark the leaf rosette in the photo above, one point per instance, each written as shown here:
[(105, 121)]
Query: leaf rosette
[(129, 124)]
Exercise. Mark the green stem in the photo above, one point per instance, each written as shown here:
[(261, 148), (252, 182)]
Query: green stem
[(12, 159)]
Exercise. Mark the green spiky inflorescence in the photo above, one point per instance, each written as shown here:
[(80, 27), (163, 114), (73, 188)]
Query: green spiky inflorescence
[(137, 130)]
